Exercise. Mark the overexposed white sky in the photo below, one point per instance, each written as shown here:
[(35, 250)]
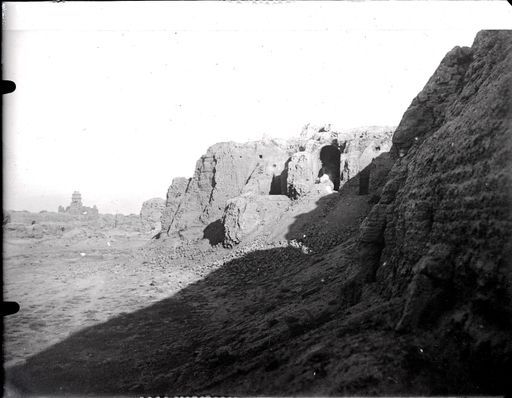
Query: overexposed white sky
[(116, 99)]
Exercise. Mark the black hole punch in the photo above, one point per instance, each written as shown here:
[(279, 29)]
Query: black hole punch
[(10, 307), (8, 86)]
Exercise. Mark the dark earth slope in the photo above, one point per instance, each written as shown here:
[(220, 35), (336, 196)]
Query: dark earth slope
[(442, 228)]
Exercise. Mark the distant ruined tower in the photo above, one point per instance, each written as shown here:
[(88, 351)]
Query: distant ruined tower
[(76, 203), (76, 198), (76, 207)]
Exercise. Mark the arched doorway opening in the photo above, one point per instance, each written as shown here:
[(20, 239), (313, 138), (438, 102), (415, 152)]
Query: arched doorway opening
[(330, 158)]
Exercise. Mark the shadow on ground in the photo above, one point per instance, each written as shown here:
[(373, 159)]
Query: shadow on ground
[(220, 328)]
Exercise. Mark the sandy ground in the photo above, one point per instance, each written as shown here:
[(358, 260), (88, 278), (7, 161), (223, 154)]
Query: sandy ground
[(265, 323), (61, 291)]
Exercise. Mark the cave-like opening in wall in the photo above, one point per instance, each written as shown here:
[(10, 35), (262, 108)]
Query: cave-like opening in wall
[(330, 158), (275, 185)]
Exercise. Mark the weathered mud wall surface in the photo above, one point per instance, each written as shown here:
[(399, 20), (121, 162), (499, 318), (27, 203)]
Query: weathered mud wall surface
[(440, 234), (49, 225), (151, 213), (320, 160), (221, 174)]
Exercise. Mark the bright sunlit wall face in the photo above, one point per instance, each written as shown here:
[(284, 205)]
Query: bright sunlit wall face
[(117, 99)]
